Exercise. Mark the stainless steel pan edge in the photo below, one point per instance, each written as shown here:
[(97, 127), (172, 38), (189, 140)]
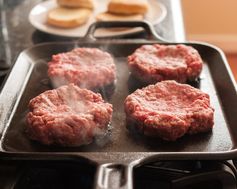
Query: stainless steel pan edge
[(110, 162)]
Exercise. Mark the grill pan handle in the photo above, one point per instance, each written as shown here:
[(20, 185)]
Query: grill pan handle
[(148, 28), (114, 175)]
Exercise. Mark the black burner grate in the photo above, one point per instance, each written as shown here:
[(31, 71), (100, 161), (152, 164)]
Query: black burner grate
[(77, 175), (185, 175)]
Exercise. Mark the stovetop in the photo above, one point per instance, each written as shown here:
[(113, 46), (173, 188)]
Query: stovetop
[(164, 175), (186, 175)]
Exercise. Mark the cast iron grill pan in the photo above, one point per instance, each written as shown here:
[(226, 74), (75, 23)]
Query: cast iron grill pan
[(119, 150)]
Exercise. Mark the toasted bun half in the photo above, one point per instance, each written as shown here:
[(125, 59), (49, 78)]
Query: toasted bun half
[(106, 16), (68, 17), (128, 6), (76, 3)]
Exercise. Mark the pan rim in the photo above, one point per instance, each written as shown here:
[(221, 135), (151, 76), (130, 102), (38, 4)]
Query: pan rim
[(219, 155)]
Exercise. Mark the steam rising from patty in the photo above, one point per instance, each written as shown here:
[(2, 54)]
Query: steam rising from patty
[(68, 116), (86, 67)]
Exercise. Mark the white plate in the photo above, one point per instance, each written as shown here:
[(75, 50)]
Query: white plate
[(38, 15)]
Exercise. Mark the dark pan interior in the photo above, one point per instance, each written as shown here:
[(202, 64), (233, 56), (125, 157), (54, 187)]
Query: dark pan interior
[(213, 80)]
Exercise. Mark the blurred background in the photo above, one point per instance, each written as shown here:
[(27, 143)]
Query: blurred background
[(214, 22)]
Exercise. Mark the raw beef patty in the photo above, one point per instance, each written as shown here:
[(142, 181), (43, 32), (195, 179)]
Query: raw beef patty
[(86, 67), (153, 63), (169, 110), (67, 116)]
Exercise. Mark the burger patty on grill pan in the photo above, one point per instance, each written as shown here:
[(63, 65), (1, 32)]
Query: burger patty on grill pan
[(86, 67), (153, 63), (67, 116), (169, 110)]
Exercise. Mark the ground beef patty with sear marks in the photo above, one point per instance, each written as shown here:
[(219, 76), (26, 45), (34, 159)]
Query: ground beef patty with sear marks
[(86, 67), (153, 63), (169, 110), (67, 116)]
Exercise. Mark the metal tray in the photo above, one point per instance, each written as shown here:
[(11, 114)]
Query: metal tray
[(120, 150)]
